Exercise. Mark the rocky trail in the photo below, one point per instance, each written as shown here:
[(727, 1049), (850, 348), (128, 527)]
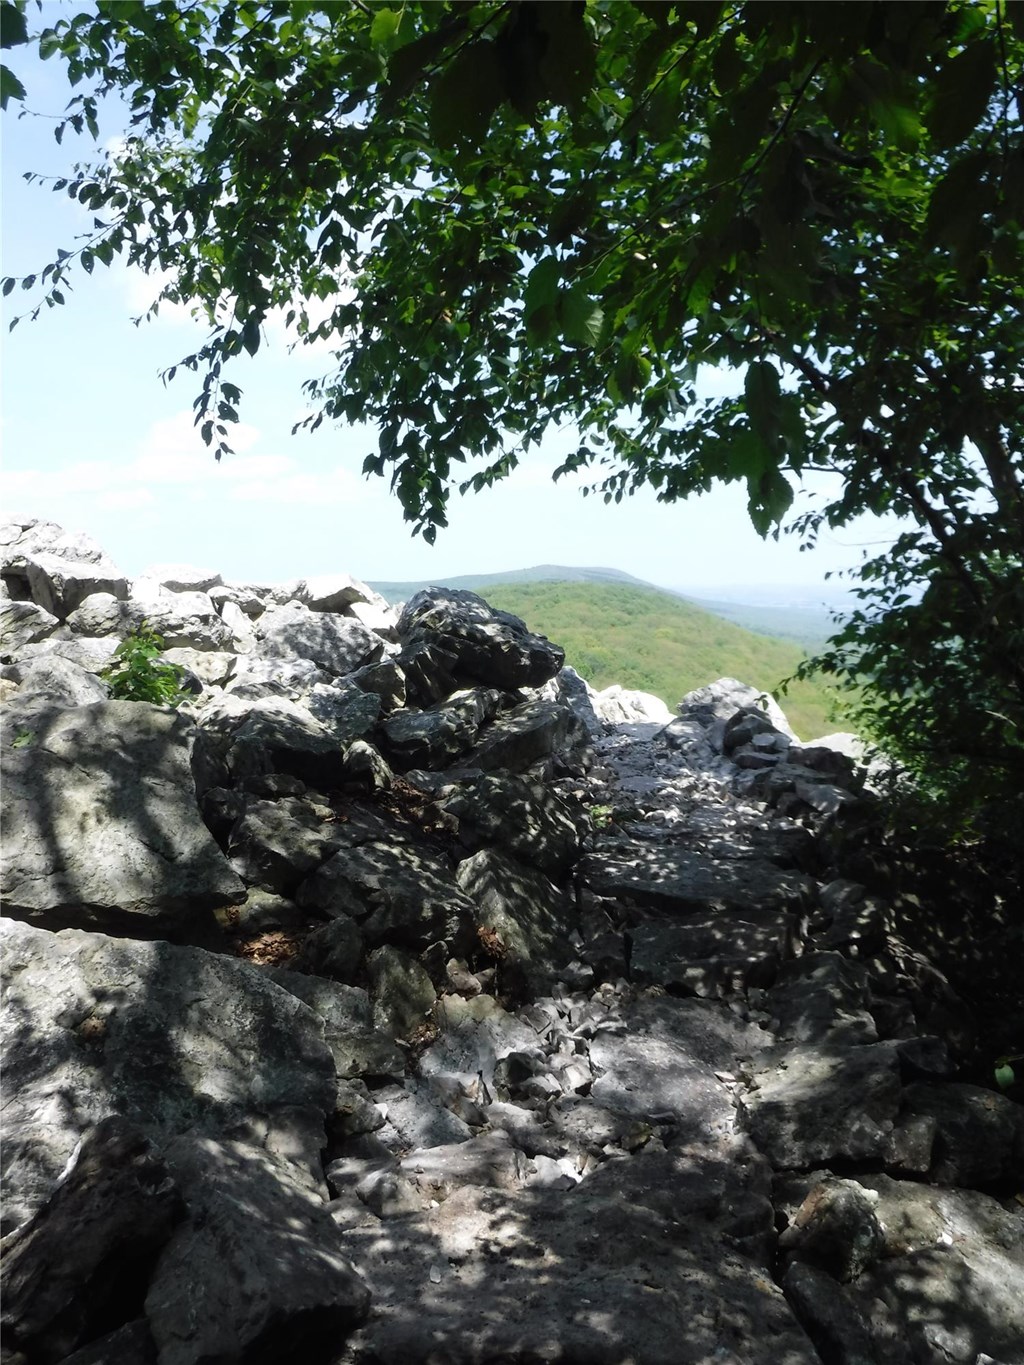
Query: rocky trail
[(398, 1000)]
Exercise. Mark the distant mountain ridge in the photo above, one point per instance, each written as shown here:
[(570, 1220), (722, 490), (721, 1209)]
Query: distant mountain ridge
[(806, 626)]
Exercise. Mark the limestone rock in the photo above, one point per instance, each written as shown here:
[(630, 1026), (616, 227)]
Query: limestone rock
[(337, 644), (436, 737), (493, 647), (173, 1039), (526, 818), (221, 1293), (83, 1259), (102, 823), (23, 623)]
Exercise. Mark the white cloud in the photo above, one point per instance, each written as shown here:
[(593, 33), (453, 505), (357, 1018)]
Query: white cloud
[(172, 461)]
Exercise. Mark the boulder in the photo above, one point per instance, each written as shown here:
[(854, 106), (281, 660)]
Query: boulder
[(527, 735), (680, 880), (81, 1263), (525, 818), (222, 1293), (526, 920), (401, 990), (183, 577), (58, 680), (493, 647), (712, 706), (23, 623), (173, 1039), (397, 894), (337, 644), (436, 737), (102, 823)]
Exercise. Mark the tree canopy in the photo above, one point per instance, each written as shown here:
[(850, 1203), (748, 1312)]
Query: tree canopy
[(509, 217)]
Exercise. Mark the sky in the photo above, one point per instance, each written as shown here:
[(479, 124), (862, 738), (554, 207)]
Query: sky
[(93, 438)]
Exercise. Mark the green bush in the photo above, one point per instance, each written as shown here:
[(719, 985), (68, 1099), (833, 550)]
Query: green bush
[(139, 674)]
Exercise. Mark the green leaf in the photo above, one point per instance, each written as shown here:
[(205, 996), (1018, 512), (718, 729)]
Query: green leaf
[(961, 92), (13, 29), (581, 316), (1004, 1076), (251, 335), (763, 395), (10, 87), (542, 286), (384, 27), (23, 739), (466, 94)]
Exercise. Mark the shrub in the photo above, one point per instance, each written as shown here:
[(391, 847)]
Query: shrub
[(138, 674)]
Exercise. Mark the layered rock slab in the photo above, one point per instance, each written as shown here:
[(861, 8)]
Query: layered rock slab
[(101, 821), (173, 1039)]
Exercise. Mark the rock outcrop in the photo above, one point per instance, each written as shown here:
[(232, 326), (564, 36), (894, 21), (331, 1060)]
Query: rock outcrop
[(399, 999)]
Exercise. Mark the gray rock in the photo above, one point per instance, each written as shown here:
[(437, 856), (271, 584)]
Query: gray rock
[(174, 1039), (662, 1068), (526, 735), (531, 917), (276, 844), (491, 646), (953, 1272), (211, 667), (821, 997), (416, 1116), (183, 577), (79, 1261), (348, 712), (222, 1293), (814, 1105), (836, 1228), (256, 677), (720, 700), (475, 1035), (357, 1047), (402, 894), (526, 818), (401, 990), (334, 592), (55, 679), (488, 1161), (617, 705), (435, 738), (131, 1344), (979, 1134), (712, 957), (102, 822), (23, 623), (680, 880), (185, 619), (277, 735), (60, 585), (834, 1321), (559, 1276), (384, 680), (337, 644), (335, 950)]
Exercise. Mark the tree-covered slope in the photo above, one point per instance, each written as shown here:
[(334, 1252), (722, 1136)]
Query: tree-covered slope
[(657, 642)]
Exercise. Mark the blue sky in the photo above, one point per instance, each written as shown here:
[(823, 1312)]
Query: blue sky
[(93, 439)]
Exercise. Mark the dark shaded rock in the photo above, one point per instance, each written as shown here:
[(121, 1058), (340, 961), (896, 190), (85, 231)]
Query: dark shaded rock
[(435, 738), (677, 879), (79, 1267), (101, 821), (357, 1047), (492, 646), (335, 950), (401, 990), (526, 735), (978, 1134), (400, 894), (278, 843), (813, 1105), (526, 818), (712, 957), (174, 1039), (836, 1228), (385, 680), (278, 736), (531, 917), (347, 712), (819, 998), (835, 1321), (222, 1293), (131, 1344)]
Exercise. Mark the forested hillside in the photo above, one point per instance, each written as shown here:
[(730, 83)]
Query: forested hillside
[(654, 641)]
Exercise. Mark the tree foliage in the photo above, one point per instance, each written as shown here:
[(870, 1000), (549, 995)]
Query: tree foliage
[(512, 217)]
